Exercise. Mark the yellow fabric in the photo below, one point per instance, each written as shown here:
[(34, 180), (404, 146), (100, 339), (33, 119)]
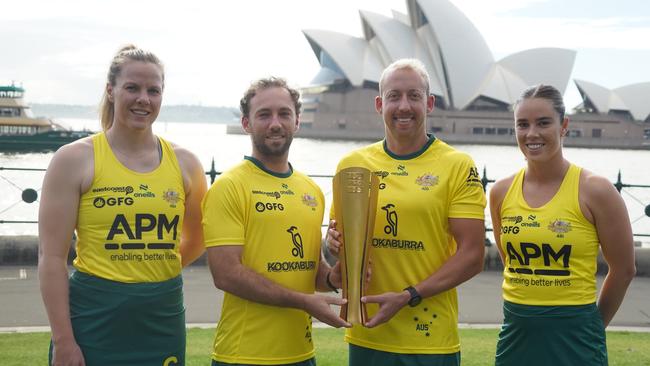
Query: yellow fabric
[(277, 219), (411, 241), (129, 223), (550, 250)]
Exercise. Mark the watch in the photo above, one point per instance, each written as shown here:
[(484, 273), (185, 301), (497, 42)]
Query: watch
[(415, 296)]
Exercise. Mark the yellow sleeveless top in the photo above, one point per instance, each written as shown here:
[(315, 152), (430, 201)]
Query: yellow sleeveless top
[(129, 223), (551, 250)]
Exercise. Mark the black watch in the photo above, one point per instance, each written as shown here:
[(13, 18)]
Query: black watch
[(415, 296)]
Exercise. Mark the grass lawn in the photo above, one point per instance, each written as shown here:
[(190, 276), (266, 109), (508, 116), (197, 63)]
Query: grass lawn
[(625, 349)]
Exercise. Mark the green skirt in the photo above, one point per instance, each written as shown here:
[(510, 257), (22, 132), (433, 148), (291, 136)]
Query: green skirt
[(118, 323), (551, 335)]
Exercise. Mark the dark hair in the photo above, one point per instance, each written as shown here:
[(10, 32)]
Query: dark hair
[(261, 84), (125, 54), (547, 92)]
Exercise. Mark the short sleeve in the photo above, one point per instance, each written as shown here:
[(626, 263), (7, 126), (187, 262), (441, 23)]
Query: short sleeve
[(467, 197), (223, 214)]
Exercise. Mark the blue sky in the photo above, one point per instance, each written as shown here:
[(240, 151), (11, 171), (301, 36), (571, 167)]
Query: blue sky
[(60, 49)]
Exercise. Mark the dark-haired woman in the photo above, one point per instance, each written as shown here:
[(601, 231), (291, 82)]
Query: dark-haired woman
[(549, 220)]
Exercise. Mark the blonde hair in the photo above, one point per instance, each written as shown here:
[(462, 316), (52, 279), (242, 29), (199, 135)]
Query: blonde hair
[(125, 54), (406, 63)]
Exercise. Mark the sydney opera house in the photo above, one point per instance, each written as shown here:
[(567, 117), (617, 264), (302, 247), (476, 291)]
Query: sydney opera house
[(474, 92)]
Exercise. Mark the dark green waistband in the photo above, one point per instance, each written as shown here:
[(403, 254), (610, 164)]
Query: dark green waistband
[(138, 288), (549, 311)]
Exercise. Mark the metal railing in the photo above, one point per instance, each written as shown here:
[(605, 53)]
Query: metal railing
[(30, 195)]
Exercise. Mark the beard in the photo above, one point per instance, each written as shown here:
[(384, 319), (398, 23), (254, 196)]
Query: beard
[(271, 150)]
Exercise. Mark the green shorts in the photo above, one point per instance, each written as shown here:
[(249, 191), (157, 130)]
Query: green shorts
[(117, 323), (551, 335), (309, 362), (362, 356)]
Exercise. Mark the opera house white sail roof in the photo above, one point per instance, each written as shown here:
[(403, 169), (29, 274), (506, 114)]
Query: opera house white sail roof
[(462, 68)]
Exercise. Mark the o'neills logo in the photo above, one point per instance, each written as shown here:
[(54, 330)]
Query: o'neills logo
[(290, 266), (397, 244)]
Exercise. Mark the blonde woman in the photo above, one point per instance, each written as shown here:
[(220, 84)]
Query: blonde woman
[(133, 199)]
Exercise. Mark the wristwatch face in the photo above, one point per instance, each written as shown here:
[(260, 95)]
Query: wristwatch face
[(415, 301)]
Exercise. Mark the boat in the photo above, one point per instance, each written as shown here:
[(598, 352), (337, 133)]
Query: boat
[(21, 131)]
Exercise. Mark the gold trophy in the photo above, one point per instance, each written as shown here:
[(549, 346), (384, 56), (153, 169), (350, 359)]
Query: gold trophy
[(355, 207)]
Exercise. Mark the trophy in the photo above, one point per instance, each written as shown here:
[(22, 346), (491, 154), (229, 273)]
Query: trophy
[(355, 205)]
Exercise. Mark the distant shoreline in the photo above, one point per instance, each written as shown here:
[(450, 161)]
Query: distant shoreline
[(168, 113)]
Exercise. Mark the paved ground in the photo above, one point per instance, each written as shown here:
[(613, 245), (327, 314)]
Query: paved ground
[(480, 300)]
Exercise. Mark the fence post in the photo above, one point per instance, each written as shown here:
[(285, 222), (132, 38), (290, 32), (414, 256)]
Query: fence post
[(212, 173), (484, 179), (619, 184)]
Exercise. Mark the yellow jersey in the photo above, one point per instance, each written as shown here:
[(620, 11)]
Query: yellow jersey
[(418, 194), (551, 250), (277, 219), (129, 223)]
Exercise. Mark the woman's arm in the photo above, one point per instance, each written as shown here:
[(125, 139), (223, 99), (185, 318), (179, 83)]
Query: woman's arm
[(70, 171), (497, 194), (191, 246), (604, 205)]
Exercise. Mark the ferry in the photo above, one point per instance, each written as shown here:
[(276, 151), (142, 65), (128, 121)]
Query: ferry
[(21, 131)]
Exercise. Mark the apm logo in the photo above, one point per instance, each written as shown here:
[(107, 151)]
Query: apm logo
[(162, 225), (391, 218), (526, 253), (297, 250)]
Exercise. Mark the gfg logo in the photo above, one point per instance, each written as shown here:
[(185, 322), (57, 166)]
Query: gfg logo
[(100, 202), (261, 206), (510, 229)]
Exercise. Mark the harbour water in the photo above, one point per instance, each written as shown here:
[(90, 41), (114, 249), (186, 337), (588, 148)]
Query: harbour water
[(319, 157)]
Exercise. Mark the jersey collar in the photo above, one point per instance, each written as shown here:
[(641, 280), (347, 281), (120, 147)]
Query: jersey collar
[(414, 155), (260, 165)]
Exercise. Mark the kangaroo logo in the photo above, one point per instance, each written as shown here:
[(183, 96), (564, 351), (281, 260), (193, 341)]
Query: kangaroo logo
[(391, 217), (297, 251)]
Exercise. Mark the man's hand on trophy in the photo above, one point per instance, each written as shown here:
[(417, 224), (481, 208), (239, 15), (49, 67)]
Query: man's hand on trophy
[(389, 304), (334, 239), (318, 306)]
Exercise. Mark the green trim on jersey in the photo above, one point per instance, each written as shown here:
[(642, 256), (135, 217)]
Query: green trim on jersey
[(551, 335), (277, 221), (411, 240), (414, 155), (265, 169)]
